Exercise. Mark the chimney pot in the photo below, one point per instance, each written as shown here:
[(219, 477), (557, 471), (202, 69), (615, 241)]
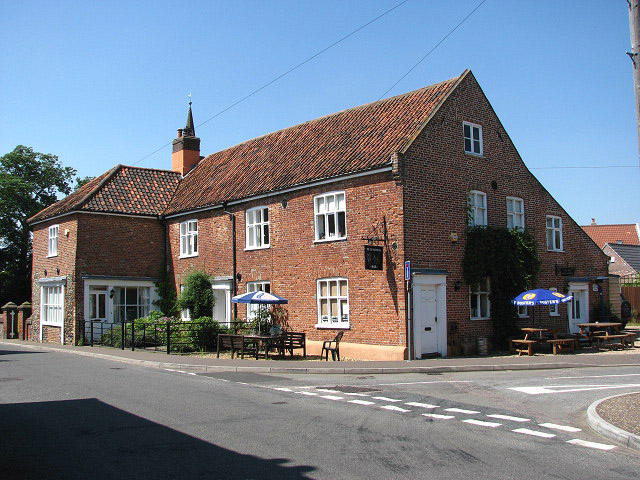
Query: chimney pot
[(179, 133)]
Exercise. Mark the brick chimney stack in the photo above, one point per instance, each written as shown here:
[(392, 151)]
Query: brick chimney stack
[(186, 148)]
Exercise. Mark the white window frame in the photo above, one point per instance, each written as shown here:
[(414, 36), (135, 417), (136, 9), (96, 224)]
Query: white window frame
[(52, 245), (475, 210), (185, 314), (554, 234), (472, 143), (514, 217), (328, 209), (554, 310), (143, 302), (258, 286), (189, 239), (257, 234), (341, 299), (479, 293), (52, 304), (523, 311)]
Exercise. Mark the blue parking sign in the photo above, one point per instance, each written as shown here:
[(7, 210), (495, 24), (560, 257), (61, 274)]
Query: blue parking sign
[(407, 270)]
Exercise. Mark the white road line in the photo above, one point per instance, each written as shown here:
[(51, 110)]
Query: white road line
[(563, 428), (311, 394), (385, 399), (328, 390), (595, 376), (438, 416), (356, 394), (283, 389), (362, 402), (569, 388), (394, 408), (421, 405), (534, 433), (331, 397), (584, 443), (180, 371), (482, 423), (461, 410), (508, 417), (419, 383)]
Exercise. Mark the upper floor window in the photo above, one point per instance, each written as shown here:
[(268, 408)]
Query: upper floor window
[(53, 241), (477, 202), (331, 216), (261, 286), (554, 233), (257, 228), (479, 300), (472, 138), (333, 303), (189, 238), (515, 213)]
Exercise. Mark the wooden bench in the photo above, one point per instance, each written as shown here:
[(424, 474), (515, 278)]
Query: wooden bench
[(631, 338), (235, 343), (295, 340), (518, 345), (622, 337), (558, 344)]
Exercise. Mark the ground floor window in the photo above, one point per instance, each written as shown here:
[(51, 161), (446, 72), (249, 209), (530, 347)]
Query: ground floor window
[(333, 303), (479, 300), (252, 308), (52, 304), (131, 303)]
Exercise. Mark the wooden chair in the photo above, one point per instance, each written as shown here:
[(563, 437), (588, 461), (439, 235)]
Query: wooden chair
[(235, 343), (293, 340), (332, 346)]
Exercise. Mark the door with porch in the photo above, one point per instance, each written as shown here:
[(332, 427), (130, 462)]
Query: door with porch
[(578, 308), (429, 316), (97, 310), (222, 301)]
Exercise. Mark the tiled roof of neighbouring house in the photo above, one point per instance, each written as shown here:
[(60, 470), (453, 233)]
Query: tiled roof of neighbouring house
[(622, 233), (130, 190), (629, 253), (355, 140)]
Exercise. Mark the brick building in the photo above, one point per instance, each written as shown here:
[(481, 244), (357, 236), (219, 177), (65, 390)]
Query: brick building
[(296, 212)]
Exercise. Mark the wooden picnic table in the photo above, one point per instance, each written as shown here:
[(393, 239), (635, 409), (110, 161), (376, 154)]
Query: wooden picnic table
[(602, 331)]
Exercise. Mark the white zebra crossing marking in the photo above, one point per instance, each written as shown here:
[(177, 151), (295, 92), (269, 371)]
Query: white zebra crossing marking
[(421, 405), (394, 408), (584, 443), (534, 433), (362, 402), (564, 428), (508, 417), (461, 410), (438, 416), (482, 423)]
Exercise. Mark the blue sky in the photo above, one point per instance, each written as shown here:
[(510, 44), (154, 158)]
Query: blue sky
[(101, 83)]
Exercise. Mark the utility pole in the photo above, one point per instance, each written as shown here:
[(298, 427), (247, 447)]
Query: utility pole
[(634, 55)]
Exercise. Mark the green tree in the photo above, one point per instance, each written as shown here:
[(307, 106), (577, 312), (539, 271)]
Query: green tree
[(197, 295), (29, 182), (82, 181)]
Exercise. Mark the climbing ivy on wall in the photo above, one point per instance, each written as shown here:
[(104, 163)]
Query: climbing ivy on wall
[(509, 258)]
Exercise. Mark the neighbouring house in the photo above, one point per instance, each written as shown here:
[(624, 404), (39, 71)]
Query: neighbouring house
[(624, 259), (627, 233), (325, 214)]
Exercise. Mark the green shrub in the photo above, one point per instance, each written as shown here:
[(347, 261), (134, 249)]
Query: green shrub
[(197, 296)]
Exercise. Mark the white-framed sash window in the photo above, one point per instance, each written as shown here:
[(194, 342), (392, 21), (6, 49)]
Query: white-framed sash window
[(554, 233), (189, 238), (515, 213), (333, 303), (131, 303), (52, 304), (330, 216), (479, 300), (257, 231), (52, 250), (477, 204), (472, 138)]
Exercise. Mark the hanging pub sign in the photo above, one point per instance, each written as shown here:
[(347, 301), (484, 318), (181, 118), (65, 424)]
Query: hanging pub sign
[(567, 271), (372, 257)]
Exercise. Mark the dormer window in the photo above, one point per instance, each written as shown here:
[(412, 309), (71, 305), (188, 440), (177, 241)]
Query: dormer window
[(53, 241), (472, 138)]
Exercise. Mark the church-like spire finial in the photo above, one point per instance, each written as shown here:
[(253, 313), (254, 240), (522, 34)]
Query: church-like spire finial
[(190, 129)]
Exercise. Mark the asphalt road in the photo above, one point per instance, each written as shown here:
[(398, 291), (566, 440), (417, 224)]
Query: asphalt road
[(65, 416)]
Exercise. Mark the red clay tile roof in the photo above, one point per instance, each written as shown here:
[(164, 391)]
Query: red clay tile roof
[(623, 233), (130, 190), (355, 140)]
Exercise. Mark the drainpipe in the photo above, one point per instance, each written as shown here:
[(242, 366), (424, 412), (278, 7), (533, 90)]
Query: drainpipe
[(234, 285)]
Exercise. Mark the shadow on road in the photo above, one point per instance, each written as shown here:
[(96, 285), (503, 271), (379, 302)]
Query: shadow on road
[(90, 439)]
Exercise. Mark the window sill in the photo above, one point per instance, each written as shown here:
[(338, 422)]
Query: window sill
[(264, 247), (332, 327), (479, 318), (554, 314), (52, 256), (328, 240), (479, 155), (51, 324), (188, 256), (556, 251)]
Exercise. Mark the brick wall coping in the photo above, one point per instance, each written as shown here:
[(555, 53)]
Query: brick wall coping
[(52, 280)]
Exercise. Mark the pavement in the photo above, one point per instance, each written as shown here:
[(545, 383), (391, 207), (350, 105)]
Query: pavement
[(617, 417)]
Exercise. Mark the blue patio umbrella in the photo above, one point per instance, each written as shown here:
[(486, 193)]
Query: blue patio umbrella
[(540, 296), (259, 297)]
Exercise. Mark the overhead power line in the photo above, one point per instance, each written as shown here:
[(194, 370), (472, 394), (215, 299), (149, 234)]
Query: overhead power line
[(585, 166), (284, 74), (433, 49)]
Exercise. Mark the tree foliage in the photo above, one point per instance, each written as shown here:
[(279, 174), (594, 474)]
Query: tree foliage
[(29, 182), (509, 258), (82, 181), (197, 295)]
